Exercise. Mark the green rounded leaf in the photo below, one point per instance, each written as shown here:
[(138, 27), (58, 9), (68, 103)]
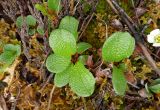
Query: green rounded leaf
[(40, 30), (83, 46), (70, 24), (56, 63), (119, 81), (31, 32), (7, 57), (41, 8), (19, 22), (81, 80), (30, 20), (83, 59), (13, 48), (3, 68), (62, 42), (10, 52), (118, 46), (54, 5), (156, 81), (155, 88), (61, 79)]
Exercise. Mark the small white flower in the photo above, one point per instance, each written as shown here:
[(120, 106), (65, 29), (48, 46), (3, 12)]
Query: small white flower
[(154, 37)]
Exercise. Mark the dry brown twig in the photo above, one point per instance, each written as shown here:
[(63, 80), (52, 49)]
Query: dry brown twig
[(9, 8), (71, 6), (46, 82), (35, 14), (3, 105), (50, 97), (75, 7), (11, 71), (23, 36), (86, 26)]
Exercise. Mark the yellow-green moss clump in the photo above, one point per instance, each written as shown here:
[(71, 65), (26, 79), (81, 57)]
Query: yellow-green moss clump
[(7, 34)]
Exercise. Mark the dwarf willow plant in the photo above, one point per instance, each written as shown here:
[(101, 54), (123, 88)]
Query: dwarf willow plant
[(67, 68), (154, 87), (118, 46), (50, 5), (31, 24), (49, 9), (10, 53), (30, 21)]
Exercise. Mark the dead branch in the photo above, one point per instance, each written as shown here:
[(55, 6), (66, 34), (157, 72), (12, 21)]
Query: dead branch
[(3, 105), (9, 8), (50, 97)]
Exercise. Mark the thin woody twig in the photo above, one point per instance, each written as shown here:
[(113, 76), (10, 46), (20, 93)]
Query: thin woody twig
[(9, 8), (3, 105), (91, 15), (14, 103), (149, 58), (23, 39), (84, 102), (11, 71), (146, 26), (111, 5), (86, 26), (71, 6), (50, 98), (45, 83), (127, 20), (75, 7), (119, 9)]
